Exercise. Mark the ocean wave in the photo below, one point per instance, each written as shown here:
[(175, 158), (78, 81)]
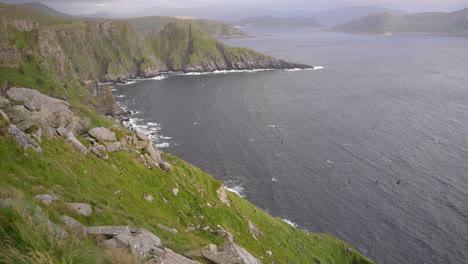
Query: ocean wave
[(289, 222), (163, 145), (239, 190), (307, 69)]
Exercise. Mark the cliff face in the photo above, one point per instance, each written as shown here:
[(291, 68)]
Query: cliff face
[(185, 47)]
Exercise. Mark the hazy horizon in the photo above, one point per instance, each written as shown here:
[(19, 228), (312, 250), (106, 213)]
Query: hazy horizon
[(122, 7)]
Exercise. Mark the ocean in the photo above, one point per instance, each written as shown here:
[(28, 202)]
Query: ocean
[(372, 148)]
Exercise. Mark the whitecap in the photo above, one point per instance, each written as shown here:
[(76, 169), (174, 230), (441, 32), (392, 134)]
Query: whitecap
[(289, 222), (239, 190), (162, 145)]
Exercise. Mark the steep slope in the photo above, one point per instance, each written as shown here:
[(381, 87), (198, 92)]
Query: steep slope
[(272, 21), (185, 47), (455, 23), (152, 25), (40, 7)]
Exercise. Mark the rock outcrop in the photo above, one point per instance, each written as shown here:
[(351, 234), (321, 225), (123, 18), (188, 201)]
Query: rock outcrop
[(229, 253)]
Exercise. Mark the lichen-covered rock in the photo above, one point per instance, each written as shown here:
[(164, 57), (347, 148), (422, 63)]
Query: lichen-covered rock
[(71, 139), (229, 253), (47, 199), (74, 224), (81, 208), (108, 231), (102, 134), (113, 146), (140, 241), (222, 195), (167, 256), (35, 101), (24, 139)]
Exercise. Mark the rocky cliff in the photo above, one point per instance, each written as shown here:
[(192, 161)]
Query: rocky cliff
[(185, 47)]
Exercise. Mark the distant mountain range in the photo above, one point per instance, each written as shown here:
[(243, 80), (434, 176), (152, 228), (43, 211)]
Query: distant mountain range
[(147, 26), (454, 23), (333, 17), (272, 21)]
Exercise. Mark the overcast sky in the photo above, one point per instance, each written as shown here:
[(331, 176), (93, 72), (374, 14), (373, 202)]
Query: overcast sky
[(127, 6)]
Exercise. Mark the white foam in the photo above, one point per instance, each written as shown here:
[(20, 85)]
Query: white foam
[(239, 190), (318, 68), (306, 69), (162, 145), (289, 222), (120, 96)]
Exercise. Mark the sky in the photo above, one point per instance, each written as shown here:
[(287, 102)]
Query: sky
[(76, 7)]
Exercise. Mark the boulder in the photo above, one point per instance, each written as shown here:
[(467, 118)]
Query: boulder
[(47, 199), (102, 134), (222, 195), (74, 224), (140, 241), (169, 257), (139, 141), (229, 253), (3, 102), (4, 116), (79, 125), (24, 139), (81, 208), (71, 139), (167, 229), (61, 131), (154, 152), (108, 231), (51, 227), (253, 229), (165, 165), (18, 113), (35, 101), (113, 147), (226, 235)]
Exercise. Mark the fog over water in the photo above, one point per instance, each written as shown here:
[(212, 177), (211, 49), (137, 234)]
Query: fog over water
[(373, 148)]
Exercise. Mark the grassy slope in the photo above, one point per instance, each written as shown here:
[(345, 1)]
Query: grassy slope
[(151, 26), (63, 171), (272, 21), (455, 23)]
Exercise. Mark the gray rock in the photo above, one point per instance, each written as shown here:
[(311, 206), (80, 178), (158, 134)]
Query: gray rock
[(222, 195), (71, 139), (90, 140), (110, 243), (95, 152), (165, 165), (167, 229), (154, 153), (139, 141), (108, 231), (169, 257), (47, 199), (61, 131), (53, 228), (113, 147), (81, 208), (24, 139), (4, 102), (226, 235), (253, 229), (74, 224), (4, 116), (79, 125), (140, 241), (229, 253), (142, 136), (18, 113), (102, 134), (175, 191), (35, 101)]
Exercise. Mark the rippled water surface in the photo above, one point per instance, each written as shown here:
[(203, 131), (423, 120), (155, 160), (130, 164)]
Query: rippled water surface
[(372, 149)]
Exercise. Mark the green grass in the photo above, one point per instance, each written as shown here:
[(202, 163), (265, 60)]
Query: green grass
[(76, 178)]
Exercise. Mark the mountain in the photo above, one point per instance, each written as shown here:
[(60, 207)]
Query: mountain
[(272, 21), (333, 17), (186, 47), (77, 187), (40, 7), (230, 14), (454, 23), (152, 25)]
